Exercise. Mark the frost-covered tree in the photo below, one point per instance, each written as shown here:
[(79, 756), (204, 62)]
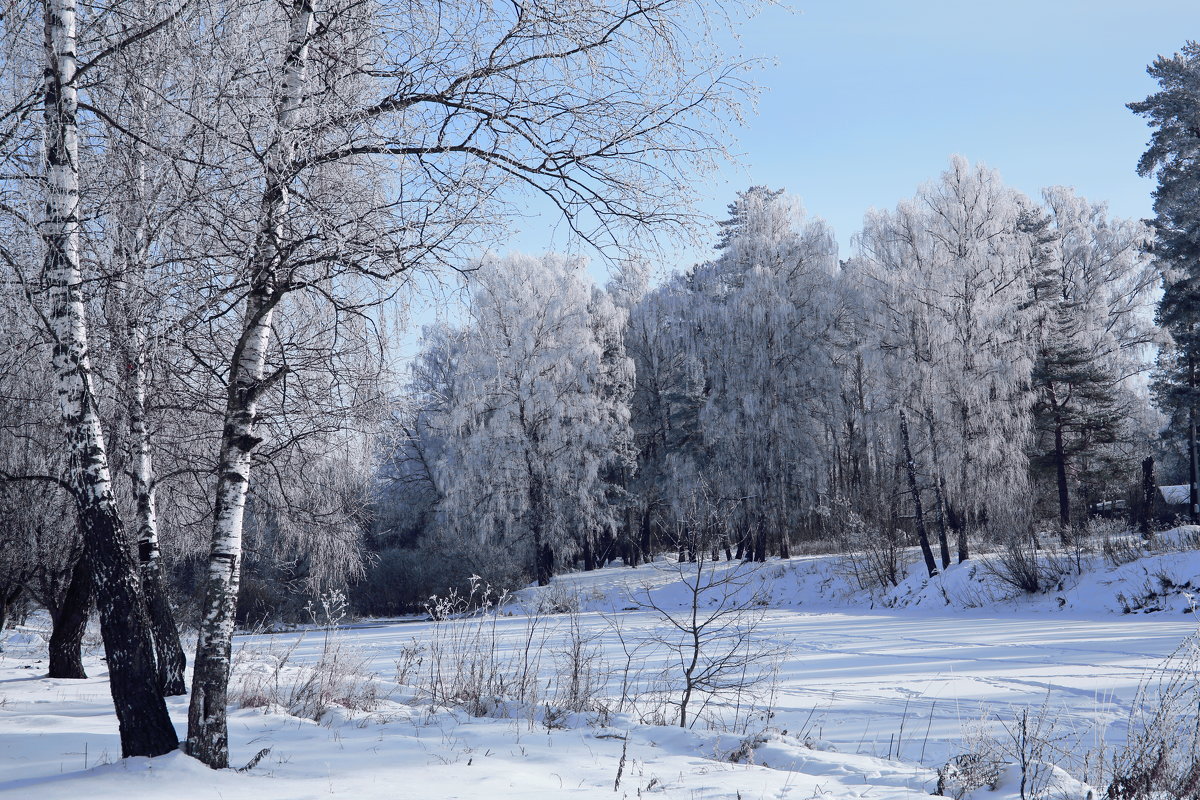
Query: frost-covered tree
[(1091, 287), (40, 146), (951, 270), (664, 411), (537, 415), (758, 316)]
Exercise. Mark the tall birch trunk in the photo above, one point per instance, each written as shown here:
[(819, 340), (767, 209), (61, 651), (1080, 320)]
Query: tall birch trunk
[(145, 727), (208, 734), (133, 252)]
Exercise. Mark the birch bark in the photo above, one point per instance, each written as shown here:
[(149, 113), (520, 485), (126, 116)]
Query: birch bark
[(132, 255), (208, 735), (168, 650), (145, 727)]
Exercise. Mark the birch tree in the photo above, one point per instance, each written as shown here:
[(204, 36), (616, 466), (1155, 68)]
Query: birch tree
[(145, 727), (760, 311), (432, 113), (539, 411), (952, 269)]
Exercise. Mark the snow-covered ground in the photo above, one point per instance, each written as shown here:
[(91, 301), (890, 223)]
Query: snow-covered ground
[(873, 695)]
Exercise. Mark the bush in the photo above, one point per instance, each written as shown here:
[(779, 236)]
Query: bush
[(1161, 756), (273, 679), (1021, 566)]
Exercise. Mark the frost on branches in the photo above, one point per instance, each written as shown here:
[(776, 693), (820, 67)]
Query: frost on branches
[(535, 413)]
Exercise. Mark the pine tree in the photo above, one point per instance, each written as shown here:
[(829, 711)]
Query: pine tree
[(1173, 157), (1089, 287)]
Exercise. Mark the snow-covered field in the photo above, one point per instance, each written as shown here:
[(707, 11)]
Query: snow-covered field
[(867, 703)]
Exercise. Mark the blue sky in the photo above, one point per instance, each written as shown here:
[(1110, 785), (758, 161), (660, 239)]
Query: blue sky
[(869, 98)]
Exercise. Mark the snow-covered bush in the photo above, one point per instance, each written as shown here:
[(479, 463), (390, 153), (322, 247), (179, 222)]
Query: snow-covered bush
[(1021, 565), (274, 679), (873, 556), (1161, 757)]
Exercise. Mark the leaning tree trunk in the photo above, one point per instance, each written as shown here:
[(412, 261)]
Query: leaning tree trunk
[(208, 732), (70, 620), (145, 726), (911, 468), (168, 650)]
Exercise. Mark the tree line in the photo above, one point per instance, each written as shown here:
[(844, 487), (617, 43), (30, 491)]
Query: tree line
[(976, 370)]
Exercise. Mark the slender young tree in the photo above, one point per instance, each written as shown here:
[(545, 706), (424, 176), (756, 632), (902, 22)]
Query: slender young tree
[(392, 135)]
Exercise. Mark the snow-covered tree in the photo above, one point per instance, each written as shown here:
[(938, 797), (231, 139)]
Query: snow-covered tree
[(1091, 288), (758, 316), (664, 411), (537, 415), (949, 269)]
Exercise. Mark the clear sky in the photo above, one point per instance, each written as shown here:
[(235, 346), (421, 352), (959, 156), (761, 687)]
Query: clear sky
[(869, 98)]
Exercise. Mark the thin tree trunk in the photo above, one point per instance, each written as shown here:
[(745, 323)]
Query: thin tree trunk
[(142, 717), (1060, 470), (7, 600), (70, 623), (132, 255), (1149, 492), (589, 555), (168, 650), (646, 532), (911, 468), (939, 499), (633, 521), (1193, 465), (208, 733)]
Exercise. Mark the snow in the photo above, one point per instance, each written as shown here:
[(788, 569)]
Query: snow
[(1176, 495), (876, 693)]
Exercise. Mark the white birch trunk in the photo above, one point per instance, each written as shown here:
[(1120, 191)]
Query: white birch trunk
[(131, 256), (141, 712), (208, 737), (168, 650)]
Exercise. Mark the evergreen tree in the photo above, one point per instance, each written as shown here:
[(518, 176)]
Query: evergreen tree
[(1089, 286), (1173, 157)]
